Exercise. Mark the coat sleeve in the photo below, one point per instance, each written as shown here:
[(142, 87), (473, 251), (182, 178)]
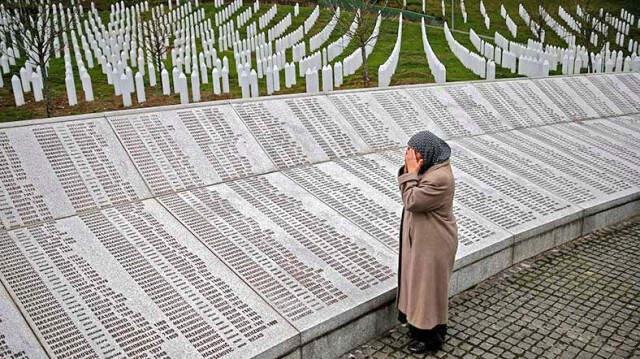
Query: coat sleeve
[(422, 196)]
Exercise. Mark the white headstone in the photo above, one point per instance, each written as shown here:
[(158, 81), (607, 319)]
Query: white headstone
[(253, 79), (26, 80), (269, 80), (140, 88), (176, 75), (215, 79), (276, 78), (71, 89), (87, 87), (195, 86), (337, 74), (36, 80), (166, 85), (152, 74), (327, 78), (126, 95), (16, 84), (183, 89), (491, 70), (225, 79), (245, 84), (204, 73)]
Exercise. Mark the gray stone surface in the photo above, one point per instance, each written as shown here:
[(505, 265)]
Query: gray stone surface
[(182, 149), (300, 130), (312, 265), (130, 280), (59, 169), (288, 208), (16, 338)]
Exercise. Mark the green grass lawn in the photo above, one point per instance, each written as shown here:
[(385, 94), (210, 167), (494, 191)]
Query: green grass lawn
[(412, 65)]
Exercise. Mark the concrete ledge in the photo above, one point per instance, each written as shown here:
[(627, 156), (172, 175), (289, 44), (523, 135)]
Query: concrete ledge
[(352, 334), (610, 216)]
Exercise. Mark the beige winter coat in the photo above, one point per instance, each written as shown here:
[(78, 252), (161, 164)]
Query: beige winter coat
[(428, 245)]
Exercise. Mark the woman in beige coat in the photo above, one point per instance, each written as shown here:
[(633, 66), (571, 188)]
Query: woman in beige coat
[(428, 241)]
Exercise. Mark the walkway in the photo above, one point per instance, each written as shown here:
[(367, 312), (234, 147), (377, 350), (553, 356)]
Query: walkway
[(578, 300)]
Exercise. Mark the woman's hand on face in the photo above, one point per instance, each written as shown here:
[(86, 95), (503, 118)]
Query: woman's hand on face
[(412, 162)]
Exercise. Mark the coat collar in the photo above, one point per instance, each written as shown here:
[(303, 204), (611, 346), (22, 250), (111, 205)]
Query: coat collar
[(436, 166)]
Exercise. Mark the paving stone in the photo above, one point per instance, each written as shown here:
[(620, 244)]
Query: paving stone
[(578, 300)]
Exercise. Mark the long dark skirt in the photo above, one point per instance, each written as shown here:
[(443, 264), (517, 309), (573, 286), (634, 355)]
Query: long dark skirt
[(425, 335)]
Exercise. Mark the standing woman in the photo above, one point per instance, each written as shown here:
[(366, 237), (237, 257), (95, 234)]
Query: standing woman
[(428, 241)]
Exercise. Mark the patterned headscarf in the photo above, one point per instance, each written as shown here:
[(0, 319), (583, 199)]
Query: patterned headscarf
[(432, 148)]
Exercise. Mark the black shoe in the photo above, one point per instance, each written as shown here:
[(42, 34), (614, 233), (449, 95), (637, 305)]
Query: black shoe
[(419, 347)]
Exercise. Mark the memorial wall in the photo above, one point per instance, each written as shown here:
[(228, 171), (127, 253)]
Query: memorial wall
[(249, 228)]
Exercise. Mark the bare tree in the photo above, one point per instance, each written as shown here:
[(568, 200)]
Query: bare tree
[(38, 29), (365, 16), (156, 38), (589, 24)]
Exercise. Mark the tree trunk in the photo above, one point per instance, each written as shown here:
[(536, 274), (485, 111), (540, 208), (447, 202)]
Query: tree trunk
[(47, 98), (365, 64)]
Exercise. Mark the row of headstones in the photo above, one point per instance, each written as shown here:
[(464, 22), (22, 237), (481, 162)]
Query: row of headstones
[(511, 25), (621, 25), (533, 26), (244, 17), (225, 14), (279, 28), (255, 39), (331, 77), (352, 62), (266, 18), (562, 32), (308, 66), (483, 12), (470, 60), (336, 48), (628, 17), (316, 41), (388, 68), (564, 15), (311, 20), (438, 70)]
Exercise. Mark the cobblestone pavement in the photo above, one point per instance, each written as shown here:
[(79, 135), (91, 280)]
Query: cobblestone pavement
[(578, 300)]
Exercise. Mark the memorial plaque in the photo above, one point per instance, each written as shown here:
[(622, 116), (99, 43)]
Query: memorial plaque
[(300, 130), (444, 112), (507, 104), (540, 107), (527, 167), (589, 156), (619, 145), (477, 108), (630, 125), (369, 120), (566, 163), (131, 281), (631, 81), (353, 198), (564, 98), (301, 256), (520, 205), (16, 338), (58, 169), (590, 94), (177, 150), (616, 92), (405, 113)]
